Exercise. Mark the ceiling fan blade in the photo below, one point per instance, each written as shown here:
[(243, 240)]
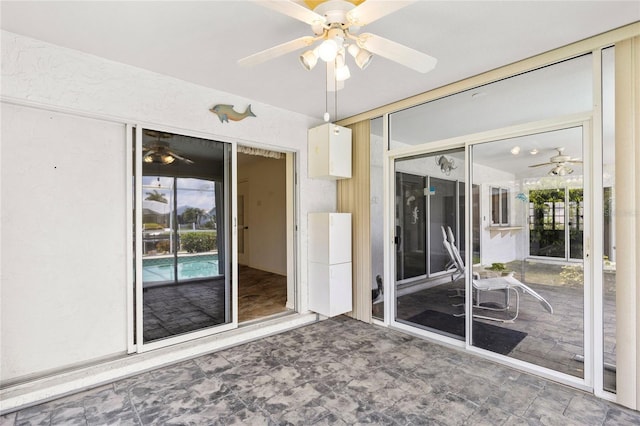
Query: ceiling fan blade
[(372, 10), (294, 10), (179, 157), (274, 52), (543, 164), (397, 52)]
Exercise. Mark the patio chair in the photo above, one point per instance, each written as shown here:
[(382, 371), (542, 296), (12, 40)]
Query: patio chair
[(506, 284)]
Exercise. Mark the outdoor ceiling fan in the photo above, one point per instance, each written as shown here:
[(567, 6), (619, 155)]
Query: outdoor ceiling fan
[(560, 163), (158, 151), (335, 24)]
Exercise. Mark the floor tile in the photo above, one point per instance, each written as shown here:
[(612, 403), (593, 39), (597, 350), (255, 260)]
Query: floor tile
[(340, 372)]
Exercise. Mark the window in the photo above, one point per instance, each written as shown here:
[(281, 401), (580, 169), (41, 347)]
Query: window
[(499, 206)]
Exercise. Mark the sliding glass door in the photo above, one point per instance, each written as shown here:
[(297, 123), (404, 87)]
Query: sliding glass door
[(503, 296), (529, 291), (183, 268), (430, 200)]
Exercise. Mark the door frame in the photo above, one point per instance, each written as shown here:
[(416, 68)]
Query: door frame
[(577, 120), (245, 189)]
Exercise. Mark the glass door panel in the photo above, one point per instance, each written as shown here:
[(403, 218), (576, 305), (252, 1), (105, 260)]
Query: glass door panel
[(410, 226), (442, 212), (429, 287), (186, 284), (576, 223), (547, 223), (529, 292)]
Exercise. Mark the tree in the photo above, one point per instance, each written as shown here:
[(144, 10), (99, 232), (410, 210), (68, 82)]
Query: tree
[(192, 215), (156, 196)]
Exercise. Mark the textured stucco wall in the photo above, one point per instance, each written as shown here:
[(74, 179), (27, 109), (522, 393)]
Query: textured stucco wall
[(47, 76)]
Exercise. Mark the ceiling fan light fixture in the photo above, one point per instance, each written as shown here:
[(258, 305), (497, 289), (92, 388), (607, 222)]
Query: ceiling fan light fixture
[(361, 56), (158, 158), (328, 50), (309, 59), (167, 159), (342, 73), (342, 70), (363, 59), (560, 170)]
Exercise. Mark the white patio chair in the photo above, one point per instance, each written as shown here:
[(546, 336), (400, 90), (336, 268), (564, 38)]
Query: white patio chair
[(507, 284)]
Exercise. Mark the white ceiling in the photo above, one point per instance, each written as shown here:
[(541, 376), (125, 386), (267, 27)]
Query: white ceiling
[(200, 42)]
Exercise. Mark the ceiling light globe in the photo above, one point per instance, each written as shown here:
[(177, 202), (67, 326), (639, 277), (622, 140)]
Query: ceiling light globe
[(342, 73), (309, 59), (363, 58), (328, 50), (353, 50)]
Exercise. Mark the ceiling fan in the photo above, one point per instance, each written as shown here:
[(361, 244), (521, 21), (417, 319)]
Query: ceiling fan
[(336, 24), (158, 151), (560, 163)]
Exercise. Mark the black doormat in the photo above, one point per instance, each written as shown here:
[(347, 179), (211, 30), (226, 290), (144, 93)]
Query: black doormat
[(486, 336)]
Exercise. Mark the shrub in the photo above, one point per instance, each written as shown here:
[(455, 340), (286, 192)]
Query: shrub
[(151, 226), (198, 242), (497, 267)]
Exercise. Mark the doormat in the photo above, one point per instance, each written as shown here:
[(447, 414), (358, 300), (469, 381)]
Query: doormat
[(486, 336)]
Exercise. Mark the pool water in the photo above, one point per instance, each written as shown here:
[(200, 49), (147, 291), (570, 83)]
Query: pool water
[(161, 269)]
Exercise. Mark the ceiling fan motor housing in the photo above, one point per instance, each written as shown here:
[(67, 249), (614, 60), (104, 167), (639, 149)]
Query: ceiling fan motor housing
[(335, 12)]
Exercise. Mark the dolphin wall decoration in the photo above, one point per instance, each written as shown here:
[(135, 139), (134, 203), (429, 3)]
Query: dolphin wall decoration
[(226, 113)]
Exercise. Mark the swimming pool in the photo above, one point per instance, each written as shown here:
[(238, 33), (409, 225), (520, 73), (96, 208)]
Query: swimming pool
[(160, 269)]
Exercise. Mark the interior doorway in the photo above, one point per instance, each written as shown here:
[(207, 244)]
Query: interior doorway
[(263, 277)]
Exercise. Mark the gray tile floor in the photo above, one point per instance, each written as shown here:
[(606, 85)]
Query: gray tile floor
[(338, 371)]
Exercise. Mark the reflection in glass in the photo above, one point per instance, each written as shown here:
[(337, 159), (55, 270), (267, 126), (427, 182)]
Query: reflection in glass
[(186, 286), (429, 204), (410, 227), (376, 218), (442, 212), (529, 286)]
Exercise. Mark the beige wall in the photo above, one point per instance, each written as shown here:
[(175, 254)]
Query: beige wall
[(628, 221), (265, 210)]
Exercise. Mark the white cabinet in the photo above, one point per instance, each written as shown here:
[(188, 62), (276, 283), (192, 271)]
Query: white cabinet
[(329, 152), (330, 271)]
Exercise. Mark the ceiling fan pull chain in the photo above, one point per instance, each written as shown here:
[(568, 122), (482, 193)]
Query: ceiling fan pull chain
[(326, 117), (335, 91)]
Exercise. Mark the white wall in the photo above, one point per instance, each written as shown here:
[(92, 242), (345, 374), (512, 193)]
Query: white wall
[(63, 255), (498, 246), (50, 76), (266, 213)]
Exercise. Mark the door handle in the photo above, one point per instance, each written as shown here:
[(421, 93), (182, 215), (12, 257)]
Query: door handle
[(245, 227)]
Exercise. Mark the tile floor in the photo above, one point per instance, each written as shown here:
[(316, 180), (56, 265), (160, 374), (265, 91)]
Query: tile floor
[(176, 309), (338, 371)]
